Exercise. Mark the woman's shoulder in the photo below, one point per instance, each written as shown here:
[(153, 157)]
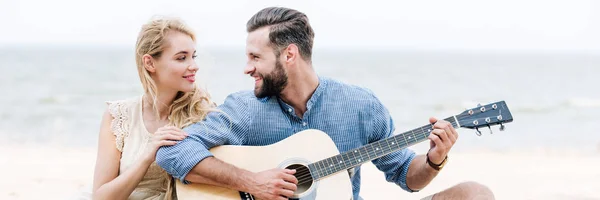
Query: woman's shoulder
[(122, 105), (126, 101), (121, 112)]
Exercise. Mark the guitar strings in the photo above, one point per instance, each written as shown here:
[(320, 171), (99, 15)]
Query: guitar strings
[(305, 179), (303, 173)]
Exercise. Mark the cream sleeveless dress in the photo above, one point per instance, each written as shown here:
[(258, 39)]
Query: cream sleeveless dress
[(132, 137)]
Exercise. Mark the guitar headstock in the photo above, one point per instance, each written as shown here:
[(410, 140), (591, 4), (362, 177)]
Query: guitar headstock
[(485, 116)]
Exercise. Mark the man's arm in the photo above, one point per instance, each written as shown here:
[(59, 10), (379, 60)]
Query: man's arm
[(442, 138), (213, 171), (410, 172), (395, 165), (420, 173), (269, 184), (191, 161)]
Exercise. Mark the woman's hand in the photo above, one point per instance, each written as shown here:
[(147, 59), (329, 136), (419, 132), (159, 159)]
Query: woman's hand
[(164, 136)]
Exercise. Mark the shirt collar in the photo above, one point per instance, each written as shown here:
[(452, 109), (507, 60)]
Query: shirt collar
[(313, 99)]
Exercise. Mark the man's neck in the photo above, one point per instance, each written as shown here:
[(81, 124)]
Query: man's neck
[(299, 90)]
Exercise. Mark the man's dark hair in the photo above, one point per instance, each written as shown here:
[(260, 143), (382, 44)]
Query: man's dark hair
[(286, 26)]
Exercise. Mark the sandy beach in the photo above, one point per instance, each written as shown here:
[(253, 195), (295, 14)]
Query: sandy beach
[(60, 173)]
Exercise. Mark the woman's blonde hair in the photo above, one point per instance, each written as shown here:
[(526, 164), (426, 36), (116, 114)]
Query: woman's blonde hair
[(187, 107)]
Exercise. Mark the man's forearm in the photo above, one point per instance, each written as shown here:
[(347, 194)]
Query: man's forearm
[(213, 171), (420, 173)]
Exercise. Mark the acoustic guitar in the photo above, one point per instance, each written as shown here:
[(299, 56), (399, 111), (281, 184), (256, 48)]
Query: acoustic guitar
[(321, 169)]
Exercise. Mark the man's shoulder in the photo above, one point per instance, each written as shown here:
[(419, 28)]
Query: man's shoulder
[(349, 91), (247, 99), (246, 95), (242, 98)]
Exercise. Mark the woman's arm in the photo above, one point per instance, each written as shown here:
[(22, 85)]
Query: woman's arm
[(108, 183)]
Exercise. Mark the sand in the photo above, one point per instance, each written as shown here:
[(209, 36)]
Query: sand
[(45, 172)]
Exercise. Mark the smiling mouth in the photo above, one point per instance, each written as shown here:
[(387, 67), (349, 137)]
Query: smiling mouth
[(190, 78)]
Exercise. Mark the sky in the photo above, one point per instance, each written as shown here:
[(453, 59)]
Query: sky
[(547, 25)]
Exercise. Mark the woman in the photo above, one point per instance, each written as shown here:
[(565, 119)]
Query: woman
[(132, 130)]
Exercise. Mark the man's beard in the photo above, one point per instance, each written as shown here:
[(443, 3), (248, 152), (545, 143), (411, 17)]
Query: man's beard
[(273, 83)]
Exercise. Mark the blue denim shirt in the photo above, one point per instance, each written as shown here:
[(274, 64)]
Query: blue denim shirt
[(352, 116)]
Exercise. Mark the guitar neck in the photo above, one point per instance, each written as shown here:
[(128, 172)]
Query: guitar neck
[(358, 156)]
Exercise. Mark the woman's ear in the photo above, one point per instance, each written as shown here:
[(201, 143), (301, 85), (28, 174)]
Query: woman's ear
[(149, 63)]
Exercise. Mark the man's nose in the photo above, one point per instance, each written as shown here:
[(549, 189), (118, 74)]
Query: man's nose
[(249, 69)]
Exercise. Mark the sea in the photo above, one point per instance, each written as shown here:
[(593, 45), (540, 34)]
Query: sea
[(55, 96)]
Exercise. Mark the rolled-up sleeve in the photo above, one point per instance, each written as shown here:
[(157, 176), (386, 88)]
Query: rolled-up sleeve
[(227, 126), (394, 165)]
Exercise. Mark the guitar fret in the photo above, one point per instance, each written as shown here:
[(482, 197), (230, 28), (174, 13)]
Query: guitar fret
[(332, 166), (423, 130), (323, 169), (328, 165), (379, 144), (419, 135), (353, 159), (396, 143), (360, 156), (374, 150), (388, 145), (334, 163), (337, 163), (346, 160), (367, 150), (313, 171), (371, 152), (342, 162), (370, 149), (317, 170)]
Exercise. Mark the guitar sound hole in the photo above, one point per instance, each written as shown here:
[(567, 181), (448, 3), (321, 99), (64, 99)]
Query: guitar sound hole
[(305, 180)]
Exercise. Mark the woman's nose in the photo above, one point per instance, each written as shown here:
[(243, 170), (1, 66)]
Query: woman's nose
[(193, 66)]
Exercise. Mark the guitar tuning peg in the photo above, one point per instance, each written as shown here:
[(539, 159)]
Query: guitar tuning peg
[(502, 127), (478, 133), (491, 132), (479, 105)]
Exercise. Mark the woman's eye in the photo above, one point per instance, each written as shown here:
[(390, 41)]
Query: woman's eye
[(194, 56), (181, 58)]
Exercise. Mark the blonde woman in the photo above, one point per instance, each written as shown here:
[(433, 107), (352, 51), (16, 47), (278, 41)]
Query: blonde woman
[(132, 130)]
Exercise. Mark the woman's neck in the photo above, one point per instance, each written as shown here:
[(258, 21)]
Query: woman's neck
[(163, 104)]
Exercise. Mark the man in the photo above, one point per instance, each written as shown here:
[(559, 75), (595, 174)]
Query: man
[(290, 97)]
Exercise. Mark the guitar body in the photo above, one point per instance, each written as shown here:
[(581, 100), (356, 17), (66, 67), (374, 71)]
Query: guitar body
[(303, 147)]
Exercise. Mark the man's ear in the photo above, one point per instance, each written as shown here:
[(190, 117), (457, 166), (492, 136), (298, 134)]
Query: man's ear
[(291, 53), (148, 63)]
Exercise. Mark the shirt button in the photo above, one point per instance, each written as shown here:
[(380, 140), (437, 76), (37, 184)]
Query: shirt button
[(289, 110), (303, 123)]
